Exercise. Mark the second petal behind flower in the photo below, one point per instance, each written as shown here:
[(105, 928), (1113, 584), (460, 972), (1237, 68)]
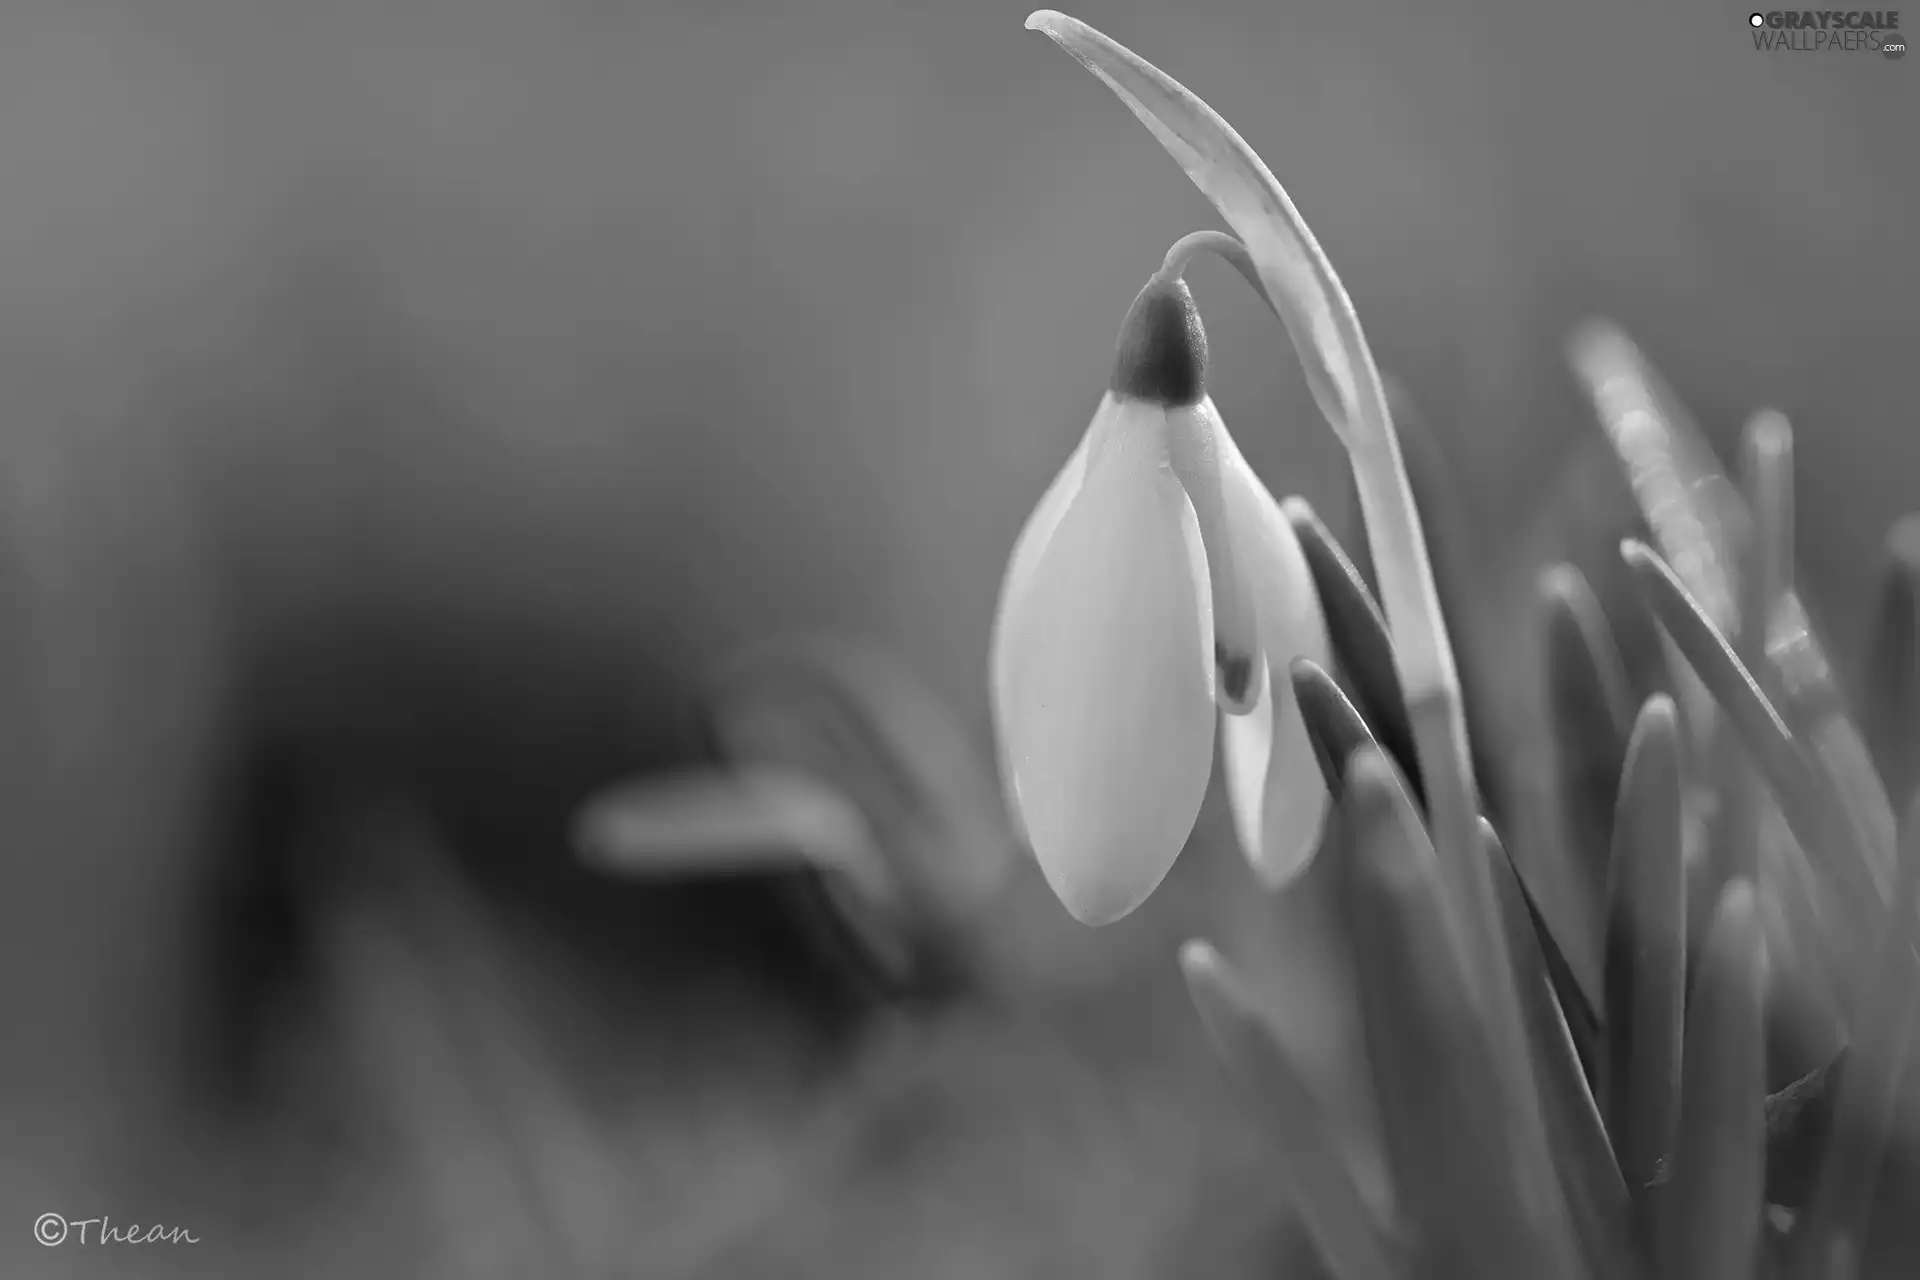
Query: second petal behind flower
[(1274, 787)]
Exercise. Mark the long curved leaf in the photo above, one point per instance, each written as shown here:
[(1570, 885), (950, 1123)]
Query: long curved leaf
[(1320, 319)]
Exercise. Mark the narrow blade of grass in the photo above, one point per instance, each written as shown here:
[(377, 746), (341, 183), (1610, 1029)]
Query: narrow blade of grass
[(1799, 1129), (1359, 637), (1591, 713), (1690, 506), (1335, 728), (1766, 479), (1691, 509), (1582, 1018), (1696, 518), (1824, 833), (1712, 1217), (1708, 652), (1450, 1125), (1354, 1245), (1892, 667), (1836, 1223), (720, 823), (1816, 712), (1337, 721), (1776, 638), (1460, 575), (1597, 1201), (1646, 955)]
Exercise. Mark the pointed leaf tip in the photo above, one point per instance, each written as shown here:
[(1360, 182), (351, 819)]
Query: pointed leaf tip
[(1590, 711), (1823, 823), (1596, 1196), (1315, 1169), (1335, 729), (1359, 637), (1449, 1128), (1799, 1120), (1892, 716), (1766, 476), (1197, 955), (1713, 1218), (1582, 651), (1645, 949)]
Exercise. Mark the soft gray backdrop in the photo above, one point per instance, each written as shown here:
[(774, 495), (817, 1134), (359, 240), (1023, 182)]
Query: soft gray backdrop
[(626, 331)]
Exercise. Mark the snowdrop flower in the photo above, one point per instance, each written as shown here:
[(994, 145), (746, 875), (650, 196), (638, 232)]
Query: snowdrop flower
[(1156, 580)]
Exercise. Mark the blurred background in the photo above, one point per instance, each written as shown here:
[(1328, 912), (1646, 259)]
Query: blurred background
[(404, 407)]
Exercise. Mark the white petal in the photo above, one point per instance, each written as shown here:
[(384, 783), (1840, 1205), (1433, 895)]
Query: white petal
[(1197, 459), (1274, 788), (1103, 674), (1033, 539)]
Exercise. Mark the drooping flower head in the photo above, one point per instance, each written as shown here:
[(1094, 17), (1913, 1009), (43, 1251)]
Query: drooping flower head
[(1156, 580)]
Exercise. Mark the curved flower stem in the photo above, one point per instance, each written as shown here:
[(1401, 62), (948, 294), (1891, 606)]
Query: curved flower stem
[(1222, 246), (1301, 286)]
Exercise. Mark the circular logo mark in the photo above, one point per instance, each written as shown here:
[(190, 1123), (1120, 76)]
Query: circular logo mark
[(1894, 46), (1756, 19), (50, 1229)]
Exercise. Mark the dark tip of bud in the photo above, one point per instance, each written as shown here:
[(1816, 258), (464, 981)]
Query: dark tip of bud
[(1236, 671), (1163, 349)]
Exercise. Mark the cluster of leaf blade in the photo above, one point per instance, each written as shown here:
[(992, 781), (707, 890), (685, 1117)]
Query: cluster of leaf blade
[(1670, 1158), (1546, 1110)]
